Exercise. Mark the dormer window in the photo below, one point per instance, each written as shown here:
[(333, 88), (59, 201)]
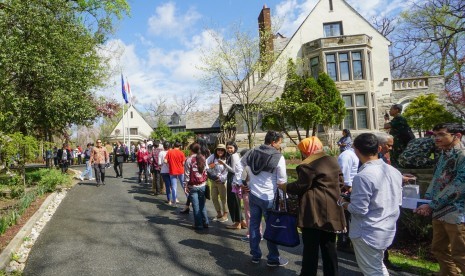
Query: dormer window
[(175, 119), (332, 29)]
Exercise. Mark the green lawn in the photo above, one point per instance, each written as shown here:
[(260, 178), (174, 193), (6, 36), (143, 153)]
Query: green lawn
[(413, 265)]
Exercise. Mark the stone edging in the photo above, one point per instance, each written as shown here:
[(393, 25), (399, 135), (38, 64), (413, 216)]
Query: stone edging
[(19, 241)]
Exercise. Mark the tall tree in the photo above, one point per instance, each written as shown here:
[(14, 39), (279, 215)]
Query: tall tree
[(424, 112), (50, 64), (304, 104), (186, 103), (246, 76)]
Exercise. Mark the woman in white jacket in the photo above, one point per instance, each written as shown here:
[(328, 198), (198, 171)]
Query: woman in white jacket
[(218, 173)]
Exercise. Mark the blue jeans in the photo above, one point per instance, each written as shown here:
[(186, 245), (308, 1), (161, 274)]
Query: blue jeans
[(259, 208), (197, 198), (174, 183), (88, 170), (169, 192)]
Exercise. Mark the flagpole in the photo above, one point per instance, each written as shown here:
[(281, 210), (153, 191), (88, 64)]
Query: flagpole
[(130, 104), (129, 128), (122, 120)]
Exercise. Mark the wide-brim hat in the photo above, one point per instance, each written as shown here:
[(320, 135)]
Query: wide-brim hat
[(220, 146)]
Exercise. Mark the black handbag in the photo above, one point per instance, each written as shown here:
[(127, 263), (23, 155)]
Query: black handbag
[(281, 226)]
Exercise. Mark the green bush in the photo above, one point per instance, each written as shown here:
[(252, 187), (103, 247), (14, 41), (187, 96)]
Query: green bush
[(332, 151), (47, 180), (16, 191), (8, 180), (52, 179), (414, 227), (292, 155), (34, 177)]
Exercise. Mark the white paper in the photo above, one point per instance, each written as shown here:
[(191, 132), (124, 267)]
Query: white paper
[(413, 203)]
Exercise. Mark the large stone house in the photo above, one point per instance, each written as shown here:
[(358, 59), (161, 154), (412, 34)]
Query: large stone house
[(336, 39)]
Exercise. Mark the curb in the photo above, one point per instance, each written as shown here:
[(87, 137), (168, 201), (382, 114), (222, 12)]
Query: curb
[(17, 241)]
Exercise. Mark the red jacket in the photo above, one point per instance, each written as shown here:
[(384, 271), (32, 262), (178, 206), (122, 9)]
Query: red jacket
[(142, 156)]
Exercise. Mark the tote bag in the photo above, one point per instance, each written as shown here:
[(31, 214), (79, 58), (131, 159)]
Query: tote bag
[(281, 226)]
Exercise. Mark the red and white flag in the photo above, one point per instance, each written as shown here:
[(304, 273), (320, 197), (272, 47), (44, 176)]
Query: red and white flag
[(128, 90)]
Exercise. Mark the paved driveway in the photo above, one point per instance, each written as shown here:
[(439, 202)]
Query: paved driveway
[(119, 229)]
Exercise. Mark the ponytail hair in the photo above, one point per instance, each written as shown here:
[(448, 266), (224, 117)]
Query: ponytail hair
[(200, 158)]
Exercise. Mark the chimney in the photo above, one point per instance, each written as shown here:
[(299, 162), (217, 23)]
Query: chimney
[(266, 37)]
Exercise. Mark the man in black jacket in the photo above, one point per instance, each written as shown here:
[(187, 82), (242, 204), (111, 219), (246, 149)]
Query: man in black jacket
[(63, 156)]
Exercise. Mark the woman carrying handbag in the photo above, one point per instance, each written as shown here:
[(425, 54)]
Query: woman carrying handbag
[(319, 216)]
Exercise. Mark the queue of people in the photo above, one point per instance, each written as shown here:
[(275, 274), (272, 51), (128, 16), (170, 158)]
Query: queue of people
[(351, 202)]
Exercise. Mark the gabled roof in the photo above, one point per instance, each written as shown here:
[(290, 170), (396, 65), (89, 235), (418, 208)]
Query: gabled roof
[(347, 4), (167, 120), (265, 90), (203, 119)]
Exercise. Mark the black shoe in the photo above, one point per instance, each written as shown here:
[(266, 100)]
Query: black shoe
[(98, 184), (185, 211), (205, 225), (391, 266)]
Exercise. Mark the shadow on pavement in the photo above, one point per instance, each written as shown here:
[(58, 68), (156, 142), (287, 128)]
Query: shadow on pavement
[(231, 259)]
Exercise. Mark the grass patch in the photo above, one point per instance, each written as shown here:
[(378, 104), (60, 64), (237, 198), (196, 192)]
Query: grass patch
[(409, 264)]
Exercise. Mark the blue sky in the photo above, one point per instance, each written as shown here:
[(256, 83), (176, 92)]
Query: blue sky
[(157, 48)]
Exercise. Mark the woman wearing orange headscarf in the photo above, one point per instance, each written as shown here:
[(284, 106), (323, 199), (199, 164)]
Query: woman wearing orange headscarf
[(319, 216)]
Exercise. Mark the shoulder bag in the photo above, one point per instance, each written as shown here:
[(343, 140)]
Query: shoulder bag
[(281, 226)]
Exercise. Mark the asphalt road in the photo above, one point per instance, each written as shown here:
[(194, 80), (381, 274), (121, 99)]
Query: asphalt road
[(119, 229)]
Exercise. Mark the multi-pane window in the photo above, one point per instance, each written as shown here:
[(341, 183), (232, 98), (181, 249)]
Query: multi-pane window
[(345, 66), (357, 108), (370, 70), (314, 67), (357, 65), (331, 66), (133, 131), (332, 29)]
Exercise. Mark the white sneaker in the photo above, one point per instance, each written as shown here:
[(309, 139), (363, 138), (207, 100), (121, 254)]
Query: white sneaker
[(81, 178), (91, 179)]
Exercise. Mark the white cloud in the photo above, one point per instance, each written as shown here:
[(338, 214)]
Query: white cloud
[(291, 13), (376, 8), (168, 22), (155, 72)]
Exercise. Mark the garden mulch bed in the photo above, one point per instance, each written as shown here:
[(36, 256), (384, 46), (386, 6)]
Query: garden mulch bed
[(11, 232)]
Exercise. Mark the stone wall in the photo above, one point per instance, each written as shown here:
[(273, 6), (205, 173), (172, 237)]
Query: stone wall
[(409, 90)]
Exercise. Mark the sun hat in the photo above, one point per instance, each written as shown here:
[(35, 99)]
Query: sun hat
[(220, 146)]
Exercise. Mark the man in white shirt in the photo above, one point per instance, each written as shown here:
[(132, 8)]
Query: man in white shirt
[(349, 163), (374, 206), (266, 168)]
